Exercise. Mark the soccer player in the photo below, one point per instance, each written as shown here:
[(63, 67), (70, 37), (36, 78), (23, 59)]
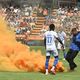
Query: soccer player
[(73, 49), (49, 41), (62, 36)]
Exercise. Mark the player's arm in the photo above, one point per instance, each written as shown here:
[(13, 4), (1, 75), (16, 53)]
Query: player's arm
[(65, 36), (56, 36), (59, 41), (45, 42), (44, 35)]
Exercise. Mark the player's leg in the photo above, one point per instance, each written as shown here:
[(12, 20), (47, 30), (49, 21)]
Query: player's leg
[(55, 61), (72, 63), (47, 61), (70, 58), (64, 54), (64, 51), (59, 51), (59, 47)]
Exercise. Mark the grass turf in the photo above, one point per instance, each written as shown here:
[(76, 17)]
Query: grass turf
[(40, 76)]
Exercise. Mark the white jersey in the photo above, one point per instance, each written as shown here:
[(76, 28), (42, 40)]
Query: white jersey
[(50, 40), (62, 35)]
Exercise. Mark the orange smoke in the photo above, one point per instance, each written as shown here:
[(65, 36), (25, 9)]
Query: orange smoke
[(15, 56)]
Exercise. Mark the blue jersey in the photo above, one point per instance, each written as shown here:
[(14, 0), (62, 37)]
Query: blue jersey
[(75, 44)]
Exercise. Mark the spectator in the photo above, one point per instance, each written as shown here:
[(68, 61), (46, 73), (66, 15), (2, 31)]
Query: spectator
[(73, 49)]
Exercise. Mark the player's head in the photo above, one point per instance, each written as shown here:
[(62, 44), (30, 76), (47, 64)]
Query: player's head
[(74, 31), (52, 27)]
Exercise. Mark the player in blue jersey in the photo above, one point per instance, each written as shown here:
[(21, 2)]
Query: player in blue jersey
[(49, 41), (73, 49)]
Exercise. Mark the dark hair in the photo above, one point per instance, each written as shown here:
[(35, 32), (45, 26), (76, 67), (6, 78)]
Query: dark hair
[(73, 30), (52, 27)]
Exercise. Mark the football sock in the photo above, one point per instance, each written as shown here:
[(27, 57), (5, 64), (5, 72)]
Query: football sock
[(47, 61), (56, 61)]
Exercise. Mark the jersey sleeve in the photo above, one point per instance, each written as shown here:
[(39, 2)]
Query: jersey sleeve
[(64, 34), (55, 34)]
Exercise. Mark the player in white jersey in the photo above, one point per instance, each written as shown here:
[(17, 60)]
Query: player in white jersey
[(49, 41), (62, 36)]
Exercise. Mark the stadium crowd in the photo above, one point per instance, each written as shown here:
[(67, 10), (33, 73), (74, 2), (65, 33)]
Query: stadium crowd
[(24, 20)]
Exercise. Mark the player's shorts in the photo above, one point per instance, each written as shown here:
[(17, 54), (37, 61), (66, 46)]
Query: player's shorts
[(59, 46), (53, 52)]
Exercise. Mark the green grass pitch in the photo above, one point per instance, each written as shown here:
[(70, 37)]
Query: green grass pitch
[(40, 76)]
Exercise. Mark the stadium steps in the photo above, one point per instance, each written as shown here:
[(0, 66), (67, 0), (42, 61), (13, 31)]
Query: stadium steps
[(38, 26), (35, 33), (34, 14), (41, 20), (53, 12), (35, 37)]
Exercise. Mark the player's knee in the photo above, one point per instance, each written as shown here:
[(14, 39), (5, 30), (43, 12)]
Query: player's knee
[(56, 58), (67, 58)]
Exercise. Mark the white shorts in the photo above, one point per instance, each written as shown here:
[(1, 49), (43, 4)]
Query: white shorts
[(59, 46), (53, 52)]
